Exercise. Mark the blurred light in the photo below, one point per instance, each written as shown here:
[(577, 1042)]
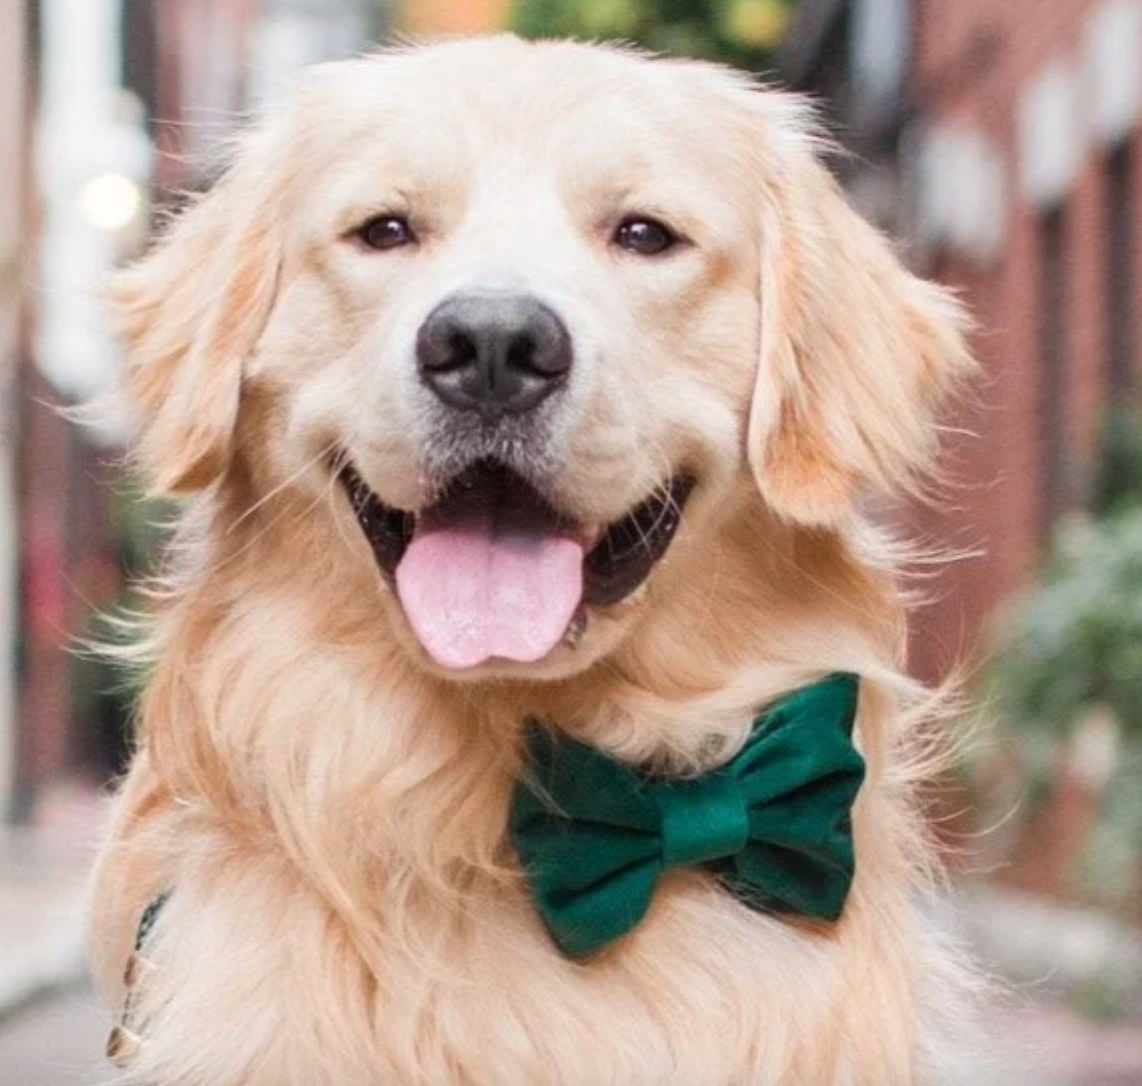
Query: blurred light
[(110, 201), (1053, 132), (758, 24), (961, 188)]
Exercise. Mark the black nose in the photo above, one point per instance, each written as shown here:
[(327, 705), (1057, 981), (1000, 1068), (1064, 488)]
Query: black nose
[(493, 353)]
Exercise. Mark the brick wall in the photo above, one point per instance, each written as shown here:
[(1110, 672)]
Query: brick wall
[(14, 75), (976, 64)]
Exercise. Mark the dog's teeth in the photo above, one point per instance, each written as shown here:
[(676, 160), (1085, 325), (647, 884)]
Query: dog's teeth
[(575, 631)]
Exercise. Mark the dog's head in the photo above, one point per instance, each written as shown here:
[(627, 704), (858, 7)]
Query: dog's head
[(538, 310)]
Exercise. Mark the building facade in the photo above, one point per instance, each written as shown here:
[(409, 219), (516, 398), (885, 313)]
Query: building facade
[(1005, 159), (110, 110), (14, 141)]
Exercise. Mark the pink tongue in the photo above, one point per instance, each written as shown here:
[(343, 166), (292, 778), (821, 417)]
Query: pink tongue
[(489, 583)]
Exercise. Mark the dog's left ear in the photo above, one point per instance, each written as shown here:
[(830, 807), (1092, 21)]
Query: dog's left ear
[(856, 352), (190, 313)]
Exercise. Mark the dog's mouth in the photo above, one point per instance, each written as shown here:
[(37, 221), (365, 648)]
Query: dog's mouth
[(492, 570)]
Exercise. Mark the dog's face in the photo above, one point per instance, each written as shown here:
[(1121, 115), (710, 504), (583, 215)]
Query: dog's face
[(537, 310)]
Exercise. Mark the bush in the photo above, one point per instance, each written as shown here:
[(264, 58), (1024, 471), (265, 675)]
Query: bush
[(1076, 639), (1068, 670), (742, 32)]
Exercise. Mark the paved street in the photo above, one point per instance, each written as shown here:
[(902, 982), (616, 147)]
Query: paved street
[(43, 895), (57, 1042)]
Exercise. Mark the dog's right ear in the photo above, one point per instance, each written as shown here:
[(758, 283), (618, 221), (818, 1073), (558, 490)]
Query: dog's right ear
[(857, 354), (190, 312)]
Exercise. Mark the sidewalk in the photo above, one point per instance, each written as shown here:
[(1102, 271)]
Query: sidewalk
[(1042, 1042), (43, 889), (1047, 959)]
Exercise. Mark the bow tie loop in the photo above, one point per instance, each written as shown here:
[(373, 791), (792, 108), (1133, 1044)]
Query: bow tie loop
[(595, 834)]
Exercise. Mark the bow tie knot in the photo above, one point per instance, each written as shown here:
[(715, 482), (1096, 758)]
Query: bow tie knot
[(703, 819), (594, 834)]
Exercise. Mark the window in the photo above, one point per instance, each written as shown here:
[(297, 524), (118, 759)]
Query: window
[(880, 49), (1053, 330), (140, 56), (1120, 275)]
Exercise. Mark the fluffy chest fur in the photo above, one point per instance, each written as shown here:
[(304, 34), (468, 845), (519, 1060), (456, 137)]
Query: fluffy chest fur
[(359, 917), (269, 985)]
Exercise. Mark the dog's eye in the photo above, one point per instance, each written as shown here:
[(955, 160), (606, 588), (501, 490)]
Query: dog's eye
[(384, 232), (647, 237)]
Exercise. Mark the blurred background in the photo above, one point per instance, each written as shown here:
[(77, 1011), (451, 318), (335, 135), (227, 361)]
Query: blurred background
[(998, 142)]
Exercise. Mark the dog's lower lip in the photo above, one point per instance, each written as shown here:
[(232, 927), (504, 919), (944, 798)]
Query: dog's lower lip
[(618, 557)]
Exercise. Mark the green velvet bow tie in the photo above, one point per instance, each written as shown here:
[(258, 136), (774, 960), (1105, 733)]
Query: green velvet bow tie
[(594, 834)]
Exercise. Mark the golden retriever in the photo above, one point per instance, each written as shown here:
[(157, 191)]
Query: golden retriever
[(458, 321)]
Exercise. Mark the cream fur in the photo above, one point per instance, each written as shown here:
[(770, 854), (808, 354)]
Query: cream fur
[(327, 806)]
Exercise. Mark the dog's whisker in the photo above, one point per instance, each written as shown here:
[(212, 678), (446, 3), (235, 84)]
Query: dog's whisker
[(332, 496), (274, 522), (668, 505), (323, 454)]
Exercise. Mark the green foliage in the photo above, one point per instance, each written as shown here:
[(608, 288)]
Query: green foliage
[(1070, 653), (1118, 482), (1111, 859), (1075, 640), (104, 689), (742, 32)]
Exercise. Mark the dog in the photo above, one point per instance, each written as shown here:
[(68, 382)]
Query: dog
[(522, 394)]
